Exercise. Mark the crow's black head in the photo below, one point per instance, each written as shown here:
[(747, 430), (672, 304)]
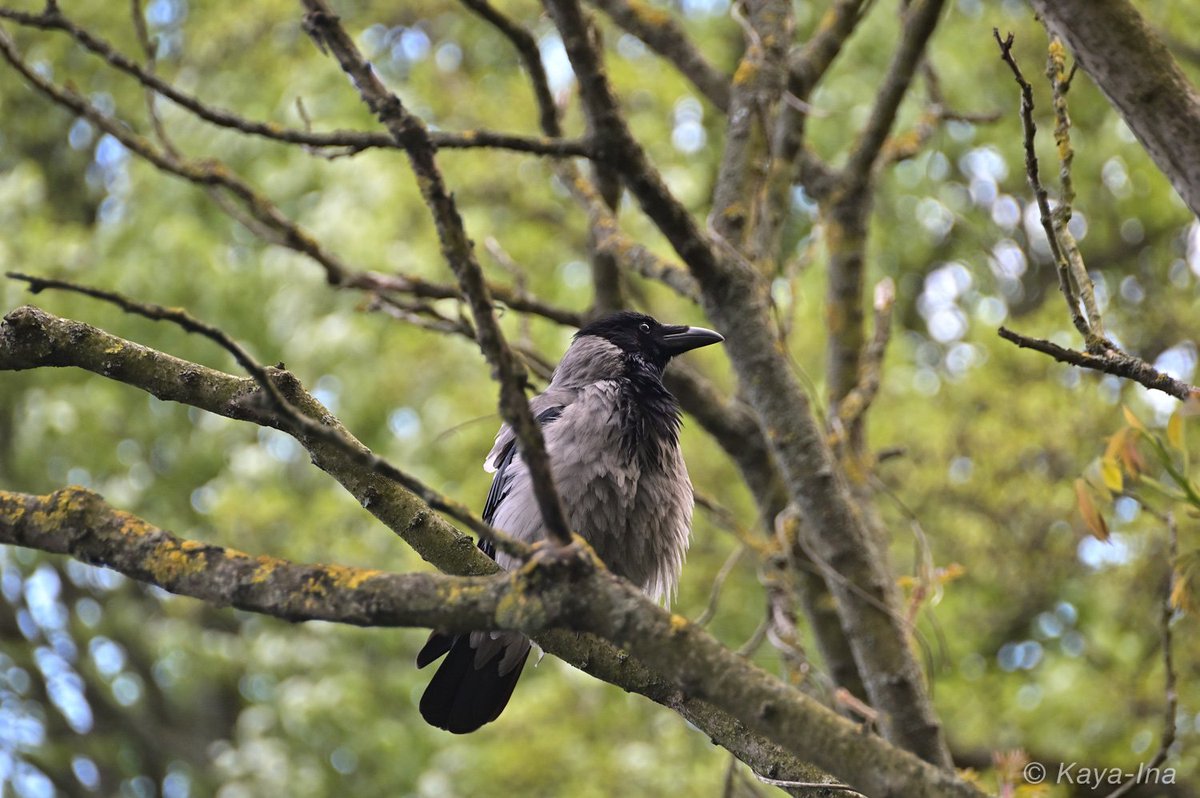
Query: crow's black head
[(643, 337)]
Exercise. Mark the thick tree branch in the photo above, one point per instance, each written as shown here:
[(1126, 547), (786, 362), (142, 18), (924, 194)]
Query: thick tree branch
[(806, 66), (79, 523), (561, 587), (1138, 75), (736, 299), (846, 213), (745, 160), (746, 297), (31, 338)]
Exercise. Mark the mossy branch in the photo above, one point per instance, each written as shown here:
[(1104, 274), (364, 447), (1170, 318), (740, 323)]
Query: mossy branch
[(563, 587), (764, 721), (79, 523)]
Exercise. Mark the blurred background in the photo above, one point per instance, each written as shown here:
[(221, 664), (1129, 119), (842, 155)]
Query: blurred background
[(1039, 637)]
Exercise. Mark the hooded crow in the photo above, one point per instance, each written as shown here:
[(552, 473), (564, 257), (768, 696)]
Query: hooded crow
[(612, 435)]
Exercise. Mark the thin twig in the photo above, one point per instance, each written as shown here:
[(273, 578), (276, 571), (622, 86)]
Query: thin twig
[(1039, 191), (714, 594), (826, 570), (526, 46), (1110, 361), (353, 142), (1060, 84), (756, 639), (269, 222), (727, 519), (609, 238), (821, 785), (664, 35), (325, 429), (855, 404)]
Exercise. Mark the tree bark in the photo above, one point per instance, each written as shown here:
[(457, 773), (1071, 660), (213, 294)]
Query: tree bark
[(563, 588), (1137, 74)]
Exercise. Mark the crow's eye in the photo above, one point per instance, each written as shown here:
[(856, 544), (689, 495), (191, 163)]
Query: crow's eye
[(644, 327)]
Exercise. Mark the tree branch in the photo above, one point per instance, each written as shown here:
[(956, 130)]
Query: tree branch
[(790, 161), (852, 407), (527, 50), (52, 18), (616, 145), (32, 338), (558, 588), (1144, 84), (846, 213), (296, 423), (610, 239), (1039, 192), (283, 231), (458, 251), (736, 299), (920, 18), (79, 523), (662, 34), (1110, 361), (757, 87)]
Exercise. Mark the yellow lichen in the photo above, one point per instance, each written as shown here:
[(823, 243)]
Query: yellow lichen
[(130, 525), (350, 578), (172, 561), (314, 586), (746, 72), (648, 14), (262, 573), (1058, 53), (828, 20)]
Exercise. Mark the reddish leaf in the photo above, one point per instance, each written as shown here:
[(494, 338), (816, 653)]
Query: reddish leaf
[(1087, 508)]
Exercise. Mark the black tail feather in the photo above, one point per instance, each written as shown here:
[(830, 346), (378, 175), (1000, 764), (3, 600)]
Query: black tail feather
[(437, 645), (461, 697)]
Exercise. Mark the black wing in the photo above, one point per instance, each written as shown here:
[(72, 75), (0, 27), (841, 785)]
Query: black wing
[(500, 482)]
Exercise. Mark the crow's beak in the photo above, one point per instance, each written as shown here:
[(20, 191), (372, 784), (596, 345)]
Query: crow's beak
[(679, 339)]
